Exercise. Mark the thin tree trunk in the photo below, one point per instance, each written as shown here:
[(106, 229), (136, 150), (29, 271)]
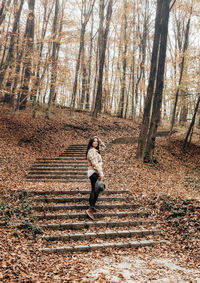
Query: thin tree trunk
[(150, 90), (103, 34), (180, 78), (54, 61), (9, 57), (81, 47), (40, 50), (124, 64), (192, 123), (143, 53), (87, 106), (3, 9), (29, 37), (157, 102)]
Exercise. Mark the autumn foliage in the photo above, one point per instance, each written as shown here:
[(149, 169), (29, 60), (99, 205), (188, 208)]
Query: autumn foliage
[(169, 190)]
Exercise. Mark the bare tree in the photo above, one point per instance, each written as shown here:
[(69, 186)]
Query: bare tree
[(57, 29), (185, 47), (154, 92), (192, 123), (84, 21), (102, 42), (3, 9), (29, 40), (40, 47), (121, 109), (10, 55)]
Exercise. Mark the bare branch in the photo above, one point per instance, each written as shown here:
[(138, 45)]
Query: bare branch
[(172, 5)]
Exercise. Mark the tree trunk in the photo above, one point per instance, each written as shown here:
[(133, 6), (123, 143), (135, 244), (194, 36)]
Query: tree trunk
[(157, 101), (192, 123), (124, 64), (103, 34), (38, 80), (87, 106), (3, 9), (150, 90), (9, 58), (81, 47), (29, 37), (185, 47), (143, 54), (54, 60)]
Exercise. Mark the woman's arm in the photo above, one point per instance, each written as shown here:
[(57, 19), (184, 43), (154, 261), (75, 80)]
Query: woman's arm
[(101, 143), (94, 162)]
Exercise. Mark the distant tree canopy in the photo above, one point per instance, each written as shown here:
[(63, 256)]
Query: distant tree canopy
[(100, 56)]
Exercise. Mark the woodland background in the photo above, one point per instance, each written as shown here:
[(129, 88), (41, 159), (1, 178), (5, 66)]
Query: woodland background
[(72, 69), (56, 51)]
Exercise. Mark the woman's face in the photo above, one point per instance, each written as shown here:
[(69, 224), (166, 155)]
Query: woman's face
[(95, 143)]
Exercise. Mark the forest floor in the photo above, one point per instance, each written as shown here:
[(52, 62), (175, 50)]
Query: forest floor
[(170, 190)]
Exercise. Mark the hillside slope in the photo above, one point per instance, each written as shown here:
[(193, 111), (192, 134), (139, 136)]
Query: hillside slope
[(169, 190), (24, 139)]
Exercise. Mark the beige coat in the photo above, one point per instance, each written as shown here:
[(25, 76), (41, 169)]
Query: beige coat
[(95, 160)]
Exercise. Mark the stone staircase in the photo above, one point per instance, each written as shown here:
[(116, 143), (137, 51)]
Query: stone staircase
[(119, 221), (70, 166)]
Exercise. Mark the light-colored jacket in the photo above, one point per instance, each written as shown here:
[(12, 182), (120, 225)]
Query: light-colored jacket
[(95, 160)]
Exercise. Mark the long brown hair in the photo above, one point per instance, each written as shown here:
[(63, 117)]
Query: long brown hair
[(90, 145)]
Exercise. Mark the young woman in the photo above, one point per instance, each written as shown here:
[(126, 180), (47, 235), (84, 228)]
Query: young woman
[(95, 170)]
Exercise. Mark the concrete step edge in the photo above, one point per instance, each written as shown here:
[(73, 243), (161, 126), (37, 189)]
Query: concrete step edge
[(96, 215), (73, 192), (80, 199), (63, 177), (91, 247), (104, 235), (46, 172), (100, 206), (86, 225), (52, 168), (57, 180), (59, 159)]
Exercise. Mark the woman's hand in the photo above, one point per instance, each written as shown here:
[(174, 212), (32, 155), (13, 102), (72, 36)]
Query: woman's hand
[(101, 178), (99, 140)]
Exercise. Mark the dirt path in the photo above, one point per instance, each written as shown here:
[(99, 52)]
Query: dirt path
[(141, 268)]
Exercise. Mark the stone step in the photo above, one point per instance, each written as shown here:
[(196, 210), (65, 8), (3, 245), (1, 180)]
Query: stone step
[(63, 159), (102, 235), (60, 159), (119, 214), (78, 146), (46, 180), (72, 155), (59, 172), (59, 167), (64, 169), (72, 151), (57, 177), (61, 162), (97, 246), (79, 207), (75, 151), (80, 199), (89, 224), (75, 192)]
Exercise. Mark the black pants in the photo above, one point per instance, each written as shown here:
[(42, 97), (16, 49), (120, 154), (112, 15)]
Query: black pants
[(93, 194)]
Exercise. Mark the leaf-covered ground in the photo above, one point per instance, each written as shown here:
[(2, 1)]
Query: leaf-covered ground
[(170, 191)]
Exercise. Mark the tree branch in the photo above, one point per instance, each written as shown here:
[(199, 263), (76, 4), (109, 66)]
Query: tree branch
[(172, 5)]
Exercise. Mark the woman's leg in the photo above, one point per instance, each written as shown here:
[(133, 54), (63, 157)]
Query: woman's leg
[(93, 194)]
